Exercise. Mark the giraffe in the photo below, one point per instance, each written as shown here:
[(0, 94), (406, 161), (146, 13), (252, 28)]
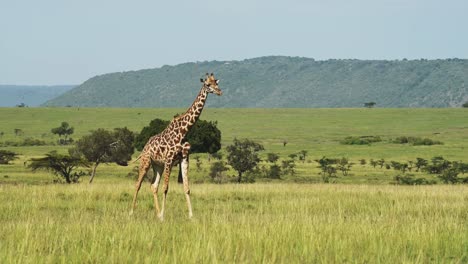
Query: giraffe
[(168, 148)]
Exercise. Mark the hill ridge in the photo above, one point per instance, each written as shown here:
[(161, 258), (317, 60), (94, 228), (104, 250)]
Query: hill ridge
[(281, 81)]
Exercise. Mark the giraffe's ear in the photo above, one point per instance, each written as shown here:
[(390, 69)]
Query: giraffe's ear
[(217, 81)]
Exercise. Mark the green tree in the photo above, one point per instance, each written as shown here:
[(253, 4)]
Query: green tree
[(465, 105), (18, 132), (272, 157), (381, 163), (6, 156), (103, 146), (274, 172), (204, 136), (243, 156), (344, 166), (123, 146), (61, 165), (328, 167), (438, 165), (450, 176), (64, 130), (288, 166), (370, 104), (420, 164), (155, 127), (302, 155)]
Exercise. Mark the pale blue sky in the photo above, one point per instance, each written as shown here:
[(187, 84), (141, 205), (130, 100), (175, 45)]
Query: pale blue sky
[(67, 42)]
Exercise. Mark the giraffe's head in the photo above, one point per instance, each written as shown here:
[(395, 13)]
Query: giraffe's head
[(210, 84)]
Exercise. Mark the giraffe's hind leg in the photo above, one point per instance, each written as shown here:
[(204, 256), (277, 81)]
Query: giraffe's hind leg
[(154, 187), (145, 163)]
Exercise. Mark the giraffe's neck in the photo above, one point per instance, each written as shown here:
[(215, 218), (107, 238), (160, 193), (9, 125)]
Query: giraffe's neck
[(193, 113), (182, 124)]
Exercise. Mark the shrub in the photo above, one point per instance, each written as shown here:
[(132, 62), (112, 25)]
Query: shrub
[(450, 176), (416, 141), (328, 167), (6, 156), (274, 172), (410, 180), (217, 170), (27, 142), (363, 140)]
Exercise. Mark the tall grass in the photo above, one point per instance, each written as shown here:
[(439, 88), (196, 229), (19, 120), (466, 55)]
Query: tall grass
[(235, 223)]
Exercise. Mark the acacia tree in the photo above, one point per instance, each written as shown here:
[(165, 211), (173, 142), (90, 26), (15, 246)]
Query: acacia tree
[(61, 165), (243, 156), (64, 130), (103, 146), (302, 155), (370, 104)]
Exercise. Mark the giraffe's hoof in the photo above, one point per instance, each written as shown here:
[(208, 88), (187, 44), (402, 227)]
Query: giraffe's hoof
[(161, 217)]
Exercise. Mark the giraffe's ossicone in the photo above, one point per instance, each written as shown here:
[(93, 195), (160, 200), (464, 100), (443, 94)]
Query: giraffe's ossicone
[(168, 148)]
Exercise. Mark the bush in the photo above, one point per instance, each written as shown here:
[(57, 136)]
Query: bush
[(363, 140), (450, 176), (204, 136), (274, 172), (27, 142), (410, 180), (217, 170), (328, 167), (416, 141), (6, 156)]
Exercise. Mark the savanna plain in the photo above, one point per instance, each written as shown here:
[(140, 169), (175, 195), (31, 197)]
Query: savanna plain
[(363, 217)]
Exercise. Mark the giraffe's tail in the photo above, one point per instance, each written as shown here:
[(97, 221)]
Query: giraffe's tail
[(139, 157)]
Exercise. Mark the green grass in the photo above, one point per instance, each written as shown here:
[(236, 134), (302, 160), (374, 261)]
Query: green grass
[(319, 131), (270, 223)]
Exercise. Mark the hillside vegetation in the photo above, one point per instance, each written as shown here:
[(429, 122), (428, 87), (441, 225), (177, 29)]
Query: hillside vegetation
[(30, 95), (276, 82)]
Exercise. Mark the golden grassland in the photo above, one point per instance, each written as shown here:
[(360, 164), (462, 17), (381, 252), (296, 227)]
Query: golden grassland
[(252, 223)]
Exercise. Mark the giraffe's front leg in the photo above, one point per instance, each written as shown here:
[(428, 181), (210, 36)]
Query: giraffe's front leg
[(184, 166)]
